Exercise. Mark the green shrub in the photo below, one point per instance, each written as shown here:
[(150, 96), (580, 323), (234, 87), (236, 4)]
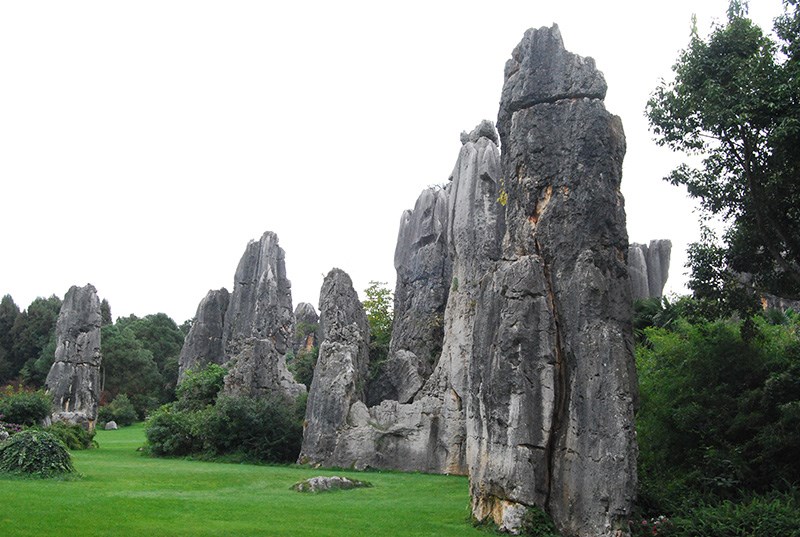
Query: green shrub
[(171, 432), (35, 453), (199, 389), (24, 407), (73, 436), (120, 410), (720, 413), (262, 429), (265, 429), (758, 517), (302, 365), (537, 523)]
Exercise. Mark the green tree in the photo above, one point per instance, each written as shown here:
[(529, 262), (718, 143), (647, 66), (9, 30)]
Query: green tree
[(159, 334), (105, 313), (9, 312), (33, 330), (735, 102), (379, 308), (128, 367)]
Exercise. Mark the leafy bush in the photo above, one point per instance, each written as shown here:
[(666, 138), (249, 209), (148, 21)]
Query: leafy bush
[(302, 365), (171, 432), (120, 410), (267, 429), (758, 517), (24, 407), (720, 413), (261, 429), (35, 453), (73, 436), (537, 523), (199, 389)]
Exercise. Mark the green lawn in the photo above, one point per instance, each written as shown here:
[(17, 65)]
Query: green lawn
[(125, 493)]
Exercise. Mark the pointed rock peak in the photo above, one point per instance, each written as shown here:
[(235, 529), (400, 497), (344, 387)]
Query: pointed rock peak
[(541, 70), (305, 312), (484, 130)]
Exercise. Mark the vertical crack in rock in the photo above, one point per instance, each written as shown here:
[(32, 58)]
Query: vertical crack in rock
[(552, 381), (73, 379)]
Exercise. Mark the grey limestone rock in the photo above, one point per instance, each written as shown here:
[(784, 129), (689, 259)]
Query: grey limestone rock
[(111, 426), (326, 484), (204, 343), (341, 371), (423, 265), (306, 323), (259, 323), (648, 266), (551, 378), (429, 433), (74, 378)]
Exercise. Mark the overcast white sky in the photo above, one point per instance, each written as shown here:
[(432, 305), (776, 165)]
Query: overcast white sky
[(143, 144)]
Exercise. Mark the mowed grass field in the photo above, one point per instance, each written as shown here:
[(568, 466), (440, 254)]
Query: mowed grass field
[(123, 493)]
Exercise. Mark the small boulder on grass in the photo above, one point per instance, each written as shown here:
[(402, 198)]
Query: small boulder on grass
[(326, 484), (36, 454)]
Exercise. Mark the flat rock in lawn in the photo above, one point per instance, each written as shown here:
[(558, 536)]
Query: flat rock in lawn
[(325, 484)]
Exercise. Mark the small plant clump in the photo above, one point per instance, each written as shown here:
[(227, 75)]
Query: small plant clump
[(35, 454)]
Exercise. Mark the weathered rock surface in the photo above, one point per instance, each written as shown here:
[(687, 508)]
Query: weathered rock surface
[(204, 343), (551, 377), (73, 380), (340, 374), (648, 266), (326, 484), (111, 426), (429, 433), (423, 265), (259, 323), (306, 322)]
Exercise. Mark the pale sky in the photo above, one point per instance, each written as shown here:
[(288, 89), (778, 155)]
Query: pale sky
[(143, 144)]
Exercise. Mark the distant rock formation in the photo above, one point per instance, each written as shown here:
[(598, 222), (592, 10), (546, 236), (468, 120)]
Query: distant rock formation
[(648, 266), (306, 322), (252, 327), (552, 378), (423, 264), (204, 343), (74, 378), (340, 374), (259, 323)]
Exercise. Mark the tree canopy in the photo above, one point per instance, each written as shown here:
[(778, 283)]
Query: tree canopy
[(735, 102)]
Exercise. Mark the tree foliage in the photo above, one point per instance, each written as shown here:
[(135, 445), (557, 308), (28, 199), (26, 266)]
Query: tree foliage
[(720, 414), (379, 308), (33, 331), (735, 102)]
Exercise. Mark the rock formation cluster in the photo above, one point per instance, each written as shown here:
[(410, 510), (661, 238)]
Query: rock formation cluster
[(251, 329), (74, 378), (533, 391), (511, 359), (649, 268)]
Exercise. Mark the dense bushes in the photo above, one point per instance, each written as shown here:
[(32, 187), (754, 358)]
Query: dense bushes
[(24, 407), (73, 436), (35, 453), (206, 424), (719, 423), (120, 410)]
